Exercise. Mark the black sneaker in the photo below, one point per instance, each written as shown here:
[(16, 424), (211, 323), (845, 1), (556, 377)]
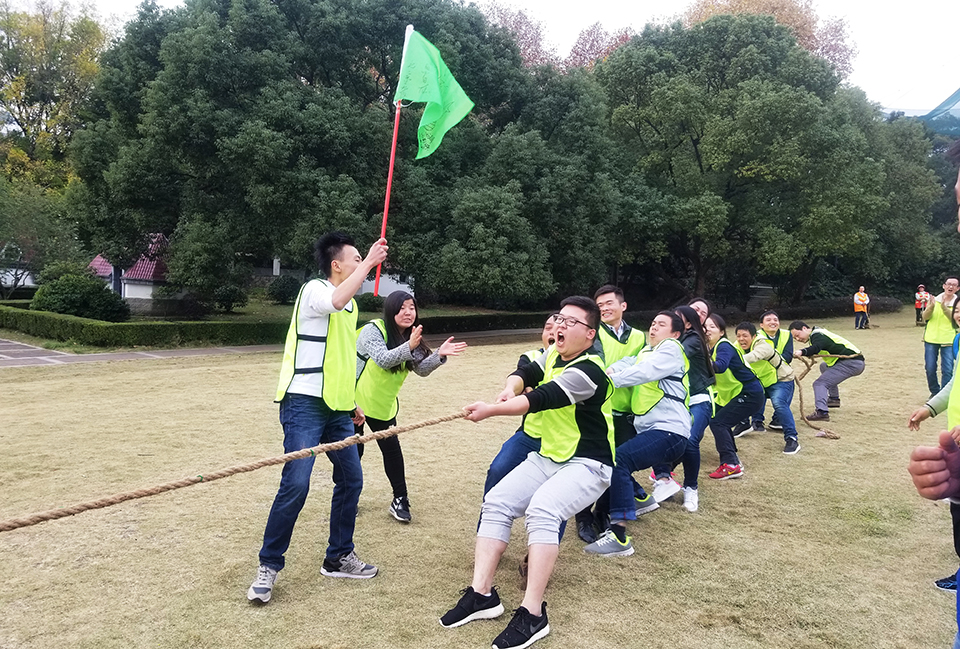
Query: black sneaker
[(523, 630), (791, 447), (400, 509), (775, 426), (833, 403), (473, 606), (586, 531), (741, 429), (819, 415), (758, 427), (948, 583)]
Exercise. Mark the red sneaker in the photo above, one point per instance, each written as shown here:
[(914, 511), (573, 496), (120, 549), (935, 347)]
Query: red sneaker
[(727, 471)]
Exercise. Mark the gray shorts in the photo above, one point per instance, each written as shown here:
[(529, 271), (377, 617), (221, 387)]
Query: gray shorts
[(547, 492)]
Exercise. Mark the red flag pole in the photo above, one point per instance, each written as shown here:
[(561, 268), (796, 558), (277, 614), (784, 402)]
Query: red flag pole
[(386, 201)]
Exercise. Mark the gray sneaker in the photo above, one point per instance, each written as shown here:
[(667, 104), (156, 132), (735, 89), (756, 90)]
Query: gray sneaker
[(262, 587), (609, 545), (350, 566)]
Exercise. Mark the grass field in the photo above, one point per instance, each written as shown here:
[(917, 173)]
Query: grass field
[(828, 548)]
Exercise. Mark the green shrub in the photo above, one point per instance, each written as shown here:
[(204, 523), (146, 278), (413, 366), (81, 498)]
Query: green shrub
[(58, 269), (83, 296), (229, 296), (140, 334), (370, 303), (284, 289)]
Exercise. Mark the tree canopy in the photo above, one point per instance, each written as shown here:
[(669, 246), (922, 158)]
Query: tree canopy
[(689, 158)]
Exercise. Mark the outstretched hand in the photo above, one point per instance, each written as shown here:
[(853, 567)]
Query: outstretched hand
[(450, 348), (920, 414), (936, 470), (477, 411)]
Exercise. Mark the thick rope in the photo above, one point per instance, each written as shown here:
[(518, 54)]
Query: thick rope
[(810, 362), (63, 512)]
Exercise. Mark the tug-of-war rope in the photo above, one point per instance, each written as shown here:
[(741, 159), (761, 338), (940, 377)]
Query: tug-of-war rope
[(63, 512), (810, 362)]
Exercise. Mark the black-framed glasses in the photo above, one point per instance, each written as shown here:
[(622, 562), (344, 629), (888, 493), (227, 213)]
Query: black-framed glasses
[(569, 321)]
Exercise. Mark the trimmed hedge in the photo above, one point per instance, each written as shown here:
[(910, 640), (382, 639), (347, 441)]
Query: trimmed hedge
[(452, 324), (44, 324)]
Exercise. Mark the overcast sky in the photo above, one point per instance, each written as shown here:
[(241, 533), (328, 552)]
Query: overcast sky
[(905, 60)]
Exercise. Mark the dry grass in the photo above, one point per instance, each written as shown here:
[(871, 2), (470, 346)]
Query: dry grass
[(828, 548)]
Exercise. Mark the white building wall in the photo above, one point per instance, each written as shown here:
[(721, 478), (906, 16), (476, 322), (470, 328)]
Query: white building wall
[(388, 284)]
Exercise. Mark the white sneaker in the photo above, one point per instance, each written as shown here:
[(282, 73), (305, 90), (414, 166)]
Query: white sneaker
[(262, 587), (665, 488), (691, 499)]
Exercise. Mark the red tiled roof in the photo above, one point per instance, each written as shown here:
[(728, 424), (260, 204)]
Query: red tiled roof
[(101, 266), (149, 268)]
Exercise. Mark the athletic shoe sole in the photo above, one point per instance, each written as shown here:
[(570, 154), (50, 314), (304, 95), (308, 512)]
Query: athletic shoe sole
[(263, 599), (485, 614), (399, 518), (618, 553), (542, 633), (731, 476), (347, 575), (774, 427)]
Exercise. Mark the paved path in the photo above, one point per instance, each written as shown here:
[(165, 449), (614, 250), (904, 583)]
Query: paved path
[(14, 354)]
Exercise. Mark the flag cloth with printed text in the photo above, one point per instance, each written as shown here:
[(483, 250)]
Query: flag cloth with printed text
[(425, 77)]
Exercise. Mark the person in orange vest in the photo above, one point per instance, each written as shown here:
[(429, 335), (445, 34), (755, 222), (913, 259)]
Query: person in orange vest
[(920, 299), (860, 304)]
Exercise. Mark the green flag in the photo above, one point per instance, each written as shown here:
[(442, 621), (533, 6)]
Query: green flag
[(425, 77)]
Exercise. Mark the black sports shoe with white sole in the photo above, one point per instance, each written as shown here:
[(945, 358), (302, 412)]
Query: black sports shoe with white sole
[(523, 630), (473, 606)]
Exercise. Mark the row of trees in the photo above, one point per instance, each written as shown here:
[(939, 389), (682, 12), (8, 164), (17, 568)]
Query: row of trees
[(697, 157)]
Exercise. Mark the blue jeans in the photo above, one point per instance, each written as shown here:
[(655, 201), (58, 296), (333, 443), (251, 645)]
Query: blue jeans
[(512, 453), (930, 353), (700, 412), (860, 320), (307, 421), (643, 451), (781, 396)]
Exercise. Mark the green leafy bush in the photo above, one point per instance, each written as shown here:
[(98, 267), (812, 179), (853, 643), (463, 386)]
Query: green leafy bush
[(370, 303), (228, 297), (284, 289), (58, 269), (83, 296)]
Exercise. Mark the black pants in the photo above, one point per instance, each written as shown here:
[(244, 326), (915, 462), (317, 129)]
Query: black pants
[(392, 455), (731, 414)]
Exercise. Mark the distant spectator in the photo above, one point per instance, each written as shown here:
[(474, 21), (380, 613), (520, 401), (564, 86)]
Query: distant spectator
[(938, 335), (920, 300), (861, 304)]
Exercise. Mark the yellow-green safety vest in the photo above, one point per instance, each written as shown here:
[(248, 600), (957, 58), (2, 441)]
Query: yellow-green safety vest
[(727, 386), (764, 370), (377, 388), (840, 340), (939, 330), (613, 351), (333, 355), (647, 395), (559, 425), (781, 342)]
